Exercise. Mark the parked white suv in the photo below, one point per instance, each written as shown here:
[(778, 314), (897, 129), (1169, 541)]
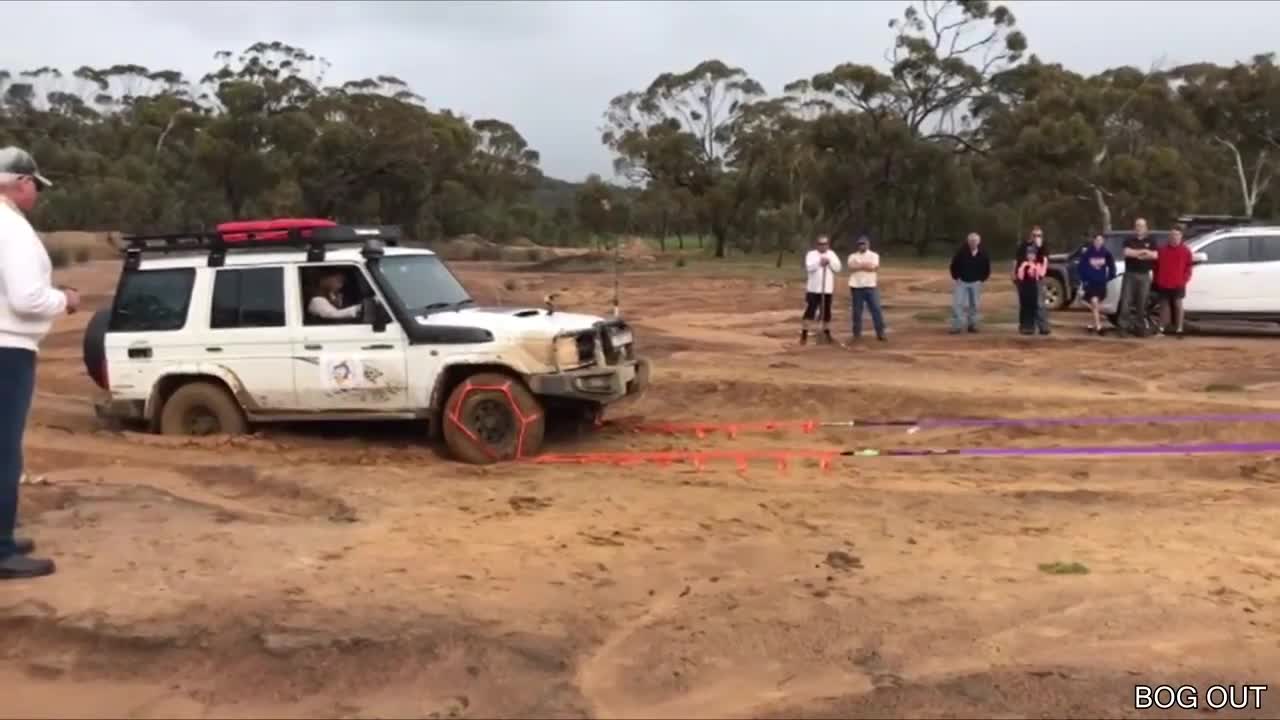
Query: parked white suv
[(1236, 277), (208, 333)]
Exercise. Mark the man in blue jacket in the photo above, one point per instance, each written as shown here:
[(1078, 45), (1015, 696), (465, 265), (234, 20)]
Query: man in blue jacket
[(1097, 268)]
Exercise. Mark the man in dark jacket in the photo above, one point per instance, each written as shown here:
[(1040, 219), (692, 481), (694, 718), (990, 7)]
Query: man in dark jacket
[(1135, 287), (970, 268), (1097, 268)]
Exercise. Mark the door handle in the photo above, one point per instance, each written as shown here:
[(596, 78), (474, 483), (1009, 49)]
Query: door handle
[(144, 352), (312, 347), (378, 347), (213, 349)]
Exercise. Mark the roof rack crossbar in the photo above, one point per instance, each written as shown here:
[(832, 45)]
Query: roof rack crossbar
[(310, 238)]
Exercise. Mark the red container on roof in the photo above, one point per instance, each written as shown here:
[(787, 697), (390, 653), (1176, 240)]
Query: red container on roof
[(269, 230)]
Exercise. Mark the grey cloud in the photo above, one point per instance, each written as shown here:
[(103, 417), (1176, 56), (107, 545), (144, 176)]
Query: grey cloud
[(550, 68)]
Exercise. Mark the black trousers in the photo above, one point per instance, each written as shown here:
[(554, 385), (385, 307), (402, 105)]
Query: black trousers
[(812, 301), (1028, 304)]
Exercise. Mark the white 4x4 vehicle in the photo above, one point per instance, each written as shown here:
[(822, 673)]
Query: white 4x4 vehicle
[(208, 333), (1236, 277)]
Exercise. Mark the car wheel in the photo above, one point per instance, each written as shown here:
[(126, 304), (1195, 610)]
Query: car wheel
[(1055, 293), (493, 418), (202, 408), (94, 348)]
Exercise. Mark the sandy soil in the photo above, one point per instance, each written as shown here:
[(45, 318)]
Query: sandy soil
[(351, 572)]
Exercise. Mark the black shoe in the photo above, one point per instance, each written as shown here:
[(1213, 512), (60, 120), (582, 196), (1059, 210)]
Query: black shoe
[(826, 337), (804, 336), (973, 328), (25, 546), (16, 567), (1044, 331), (881, 338), (1026, 331)]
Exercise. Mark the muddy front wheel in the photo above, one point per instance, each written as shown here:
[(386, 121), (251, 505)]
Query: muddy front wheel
[(493, 418)]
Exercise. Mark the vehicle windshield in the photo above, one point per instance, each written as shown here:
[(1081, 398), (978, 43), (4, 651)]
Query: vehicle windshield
[(423, 284)]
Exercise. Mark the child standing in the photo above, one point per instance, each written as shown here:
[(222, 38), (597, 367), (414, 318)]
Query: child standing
[(1097, 268), (1027, 279)]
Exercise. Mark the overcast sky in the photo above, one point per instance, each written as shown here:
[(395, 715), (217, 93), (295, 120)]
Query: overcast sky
[(551, 67)]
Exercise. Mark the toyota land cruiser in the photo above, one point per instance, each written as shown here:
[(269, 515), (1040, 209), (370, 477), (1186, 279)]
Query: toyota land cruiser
[(208, 333)]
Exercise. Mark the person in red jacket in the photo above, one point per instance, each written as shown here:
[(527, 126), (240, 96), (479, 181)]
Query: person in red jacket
[(1169, 282)]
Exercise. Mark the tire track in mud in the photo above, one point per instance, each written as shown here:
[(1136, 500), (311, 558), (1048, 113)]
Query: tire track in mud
[(355, 662), (245, 491)]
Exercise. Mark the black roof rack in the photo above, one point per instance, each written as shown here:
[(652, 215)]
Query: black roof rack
[(314, 239)]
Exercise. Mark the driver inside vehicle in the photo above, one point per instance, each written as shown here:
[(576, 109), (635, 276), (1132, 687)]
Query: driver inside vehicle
[(327, 299)]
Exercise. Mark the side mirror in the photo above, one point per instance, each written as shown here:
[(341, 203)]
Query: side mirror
[(1197, 258), (375, 314)]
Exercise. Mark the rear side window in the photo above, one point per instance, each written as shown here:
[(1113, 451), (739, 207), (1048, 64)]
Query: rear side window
[(248, 298), (1228, 250), (1266, 248), (152, 300)]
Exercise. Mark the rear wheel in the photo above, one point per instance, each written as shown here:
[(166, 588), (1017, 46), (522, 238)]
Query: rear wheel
[(1055, 293), (202, 408), (492, 418), (95, 347)]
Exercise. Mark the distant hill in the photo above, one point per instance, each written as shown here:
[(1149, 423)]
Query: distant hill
[(554, 193)]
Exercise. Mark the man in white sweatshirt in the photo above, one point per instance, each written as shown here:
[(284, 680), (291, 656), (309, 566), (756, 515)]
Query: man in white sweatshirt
[(28, 305), (821, 264)]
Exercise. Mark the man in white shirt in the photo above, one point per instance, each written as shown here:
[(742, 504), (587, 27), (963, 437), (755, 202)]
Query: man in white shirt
[(28, 305), (821, 264), (863, 265)]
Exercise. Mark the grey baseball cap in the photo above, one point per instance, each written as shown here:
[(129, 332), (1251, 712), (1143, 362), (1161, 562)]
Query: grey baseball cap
[(16, 161)]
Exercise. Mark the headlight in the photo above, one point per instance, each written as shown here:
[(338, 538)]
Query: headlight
[(566, 352)]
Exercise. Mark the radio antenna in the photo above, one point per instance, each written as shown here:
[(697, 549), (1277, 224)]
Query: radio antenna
[(617, 266)]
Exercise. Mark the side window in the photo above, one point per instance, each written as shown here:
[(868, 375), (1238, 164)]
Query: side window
[(1265, 248), (342, 289), (248, 298), (152, 300), (1228, 250), (1115, 243)]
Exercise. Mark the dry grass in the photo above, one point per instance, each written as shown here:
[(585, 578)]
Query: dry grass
[(72, 246)]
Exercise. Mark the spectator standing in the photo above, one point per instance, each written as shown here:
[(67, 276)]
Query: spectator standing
[(970, 268), (28, 305), (1096, 269), (1170, 279), (821, 264), (1026, 278), (1135, 287), (1036, 241), (864, 264)]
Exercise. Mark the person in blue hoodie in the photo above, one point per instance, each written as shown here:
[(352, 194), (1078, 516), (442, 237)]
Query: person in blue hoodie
[(1097, 268)]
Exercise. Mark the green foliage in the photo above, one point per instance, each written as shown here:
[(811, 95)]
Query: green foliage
[(959, 134), (262, 135), (962, 130)]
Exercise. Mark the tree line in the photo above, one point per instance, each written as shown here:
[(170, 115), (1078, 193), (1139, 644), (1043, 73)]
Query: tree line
[(964, 130)]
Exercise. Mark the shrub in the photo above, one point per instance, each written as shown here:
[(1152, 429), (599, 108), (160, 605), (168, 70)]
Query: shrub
[(488, 252), (59, 257)]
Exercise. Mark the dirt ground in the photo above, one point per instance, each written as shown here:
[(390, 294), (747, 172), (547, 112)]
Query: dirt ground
[(352, 572)]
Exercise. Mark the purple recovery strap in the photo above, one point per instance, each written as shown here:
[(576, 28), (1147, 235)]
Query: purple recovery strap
[(1183, 448), (1120, 420)]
